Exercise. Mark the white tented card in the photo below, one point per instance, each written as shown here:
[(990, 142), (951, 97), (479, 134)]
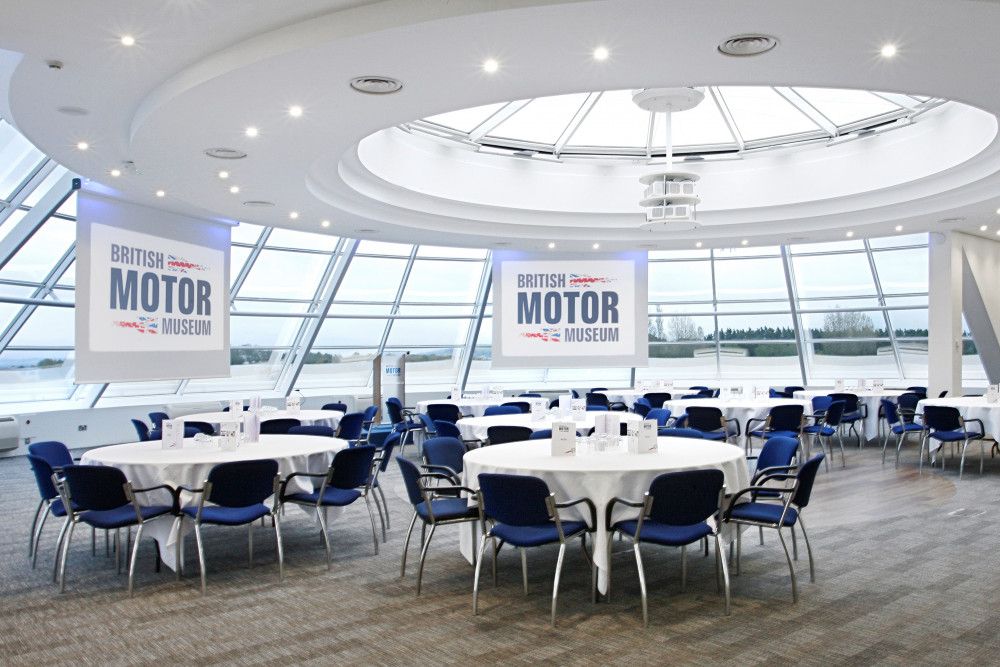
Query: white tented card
[(612, 424), (648, 431), (251, 426), (862, 383), (579, 409), (565, 405), (879, 385), (563, 439), (599, 423), (293, 404), (235, 407), (172, 434), (254, 403), (229, 434), (632, 436), (539, 409), (993, 394), (838, 386)]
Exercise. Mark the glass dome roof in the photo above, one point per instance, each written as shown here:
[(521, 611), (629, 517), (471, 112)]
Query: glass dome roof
[(731, 120)]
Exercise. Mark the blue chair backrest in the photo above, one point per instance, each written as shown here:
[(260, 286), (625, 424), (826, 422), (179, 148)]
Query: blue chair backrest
[(494, 410), (352, 466), (786, 417), (516, 500), (908, 401), (350, 426), (642, 409), (683, 433), (388, 445), (597, 408), (523, 406), (498, 435), (704, 418), (889, 410), (411, 479), (541, 434), (245, 408), (806, 475), (942, 418), (850, 401), (777, 451), (554, 403), (311, 429), (445, 452), (429, 426), (203, 427), (43, 476), (661, 415), (278, 425), (642, 400), (597, 390), (157, 418), (656, 398), (370, 413), (96, 488), (529, 395), (834, 414), (597, 398), (395, 412), (792, 389), (342, 407), (444, 412), (698, 388), (774, 393), (53, 451), (141, 429), (242, 483), (447, 429), (685, 498), (821, 403)]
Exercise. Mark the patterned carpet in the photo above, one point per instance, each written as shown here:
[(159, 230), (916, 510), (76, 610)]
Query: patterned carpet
[(918, 587)]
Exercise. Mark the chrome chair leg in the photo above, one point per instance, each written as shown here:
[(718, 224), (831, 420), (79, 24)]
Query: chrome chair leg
[(135, 554), (178, 556), (795, 544), (524, 569), (36, 535), (642, 584), (65, 555), (250, 545), (281, 548), (812, 569), (475, 581), (201, 554), (386, 506), (321, 517), (423, 555), (791, 568), (406, 545), (32, 532), (684, 567), (555, 584), (371, 517), (59, 547), (725, 568)]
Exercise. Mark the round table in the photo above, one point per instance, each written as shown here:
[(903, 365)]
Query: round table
[(146, 464), (742, 409), (468, 406), (602, 476), (329, 418), (475, 428)]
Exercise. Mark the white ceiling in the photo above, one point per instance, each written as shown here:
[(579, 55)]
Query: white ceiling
[(202, 71)]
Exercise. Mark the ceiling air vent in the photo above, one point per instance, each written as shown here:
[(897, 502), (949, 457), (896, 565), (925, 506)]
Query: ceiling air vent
[(225, 153), (257, 203), (747, 45), (375, 85)]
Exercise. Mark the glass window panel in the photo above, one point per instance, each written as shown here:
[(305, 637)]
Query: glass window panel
[(249, 306), (456, 253), (902, 271), (702, 125), (43, 188), (762, 251), (465, 120), (586, 378), (337, 369), (250, 369), (909, 323), (761, 113), (9, 310), (614, 120), (237, 258), (833, 275), (443, 281), (680, 362), (844, 107), (832, 246), (292, 238), (372, 279), (674, 329), (246, 233), (746, 279), (756, 327), (11, 222), (360, 309), (680, 281), (350, 332), (759, 361), (428, 332), (431, 367), (263, 331), (679, 254), (437, 310), (68, 207), (36, 375), (47, 326), (754, 306), (152, 388), (69, 275), (284, 274), (481, 374), (843, 324), (867, 359), (17, 160), (897, 241), (380, 248), (37, 257), (543, 120), (486, 332)]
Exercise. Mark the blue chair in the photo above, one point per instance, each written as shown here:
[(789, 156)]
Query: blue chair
[(945, 424), (774, 393), (777, 515), (444, 412), (776, 455), (449, 430), (434, 506), (598, 408), (523, 406), (444, 455), (157, 418), (344, 482), (898, 426), (661, 416), (501, 434), (711, 422), (141, 430), (521, 512), (494, 410), (782, 420), (339, 407), (820, 404), (854, 413), (826, 428), (351, 427), (430, 430), (101, 497), (599, 399), (246, 408), (678, 432), (641, 407), (541, 434), (402, 422), (237, 491), (312, 429), (379, 464), (698, 388), (906, 406), (675, 513), (55, 453), (278, 426), (656, 398), (369, 421), (791, 389), (202, 427), (919, 391)]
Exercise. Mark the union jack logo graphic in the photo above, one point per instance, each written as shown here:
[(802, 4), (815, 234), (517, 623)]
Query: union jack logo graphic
[(583, 279), (546, 335), (181, 265), (141, 324)]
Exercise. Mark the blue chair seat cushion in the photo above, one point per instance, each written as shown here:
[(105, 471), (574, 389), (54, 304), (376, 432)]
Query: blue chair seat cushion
[(332, 496), (715, 435), (766, 435), (763, 513), (536, 535), (665, 534), (57, 508), (850, 417), (953, 436), (447, 509), (820, 430), (228, 516), (122, 516), (909, 428)]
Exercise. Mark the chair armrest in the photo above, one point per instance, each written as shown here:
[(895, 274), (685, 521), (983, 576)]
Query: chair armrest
[(444, 470), (616, 501), (449, 491), (769, 471), (284, 482), (752, 490), (189, 489), (982, 429), (437, 475), (755, 419), (169, 488), (577, 501), (737, 422)]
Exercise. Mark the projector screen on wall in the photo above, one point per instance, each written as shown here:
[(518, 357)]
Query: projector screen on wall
[(152, 294), (569, 311)]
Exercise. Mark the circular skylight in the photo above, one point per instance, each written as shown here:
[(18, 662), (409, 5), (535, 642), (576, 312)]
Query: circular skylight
[(731, 120)]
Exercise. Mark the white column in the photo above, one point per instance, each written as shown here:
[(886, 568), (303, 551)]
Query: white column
[(944, 353)]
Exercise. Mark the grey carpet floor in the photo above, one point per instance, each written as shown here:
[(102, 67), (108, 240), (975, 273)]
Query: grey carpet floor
[(919, 587)]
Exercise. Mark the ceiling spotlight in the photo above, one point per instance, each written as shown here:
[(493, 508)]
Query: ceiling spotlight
[(116, 172), (294, 215), (596, 246), (223, 174), (698, 244), (128, 40), (888, 51), (899, 228), (982, 228), (850, 234), (491, 66), (551, 245), (161, 193), (234, 189), (251, 132), (744, 242), (295, 111), (998, 211), (600, 53), (325, 223), (83, 145)]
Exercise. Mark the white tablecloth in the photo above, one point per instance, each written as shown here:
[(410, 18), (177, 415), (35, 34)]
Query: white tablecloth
[(742, 409), (146, 464), (602, 476), (971, 407), (329, 418), (475, 428), (469, 406), (870, 398)]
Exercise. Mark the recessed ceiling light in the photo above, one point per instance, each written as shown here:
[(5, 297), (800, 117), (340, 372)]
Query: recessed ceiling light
[(365, 230), (998, 232), (982, 228), (234, 189), (116, 172), (258, 203), (744, 242), (325, 223), (747, 45), (83, 145), (850, 234), (501, 243), (551, 245), (251, 132), (223, 174), (294, 215), (888, 51), (376, 85), (128, 40), (899, 228), (491, 66), (998, 211), (225, 153), (600, 53), (161, 193), (698, 244), (596, 246), (295, 111)]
